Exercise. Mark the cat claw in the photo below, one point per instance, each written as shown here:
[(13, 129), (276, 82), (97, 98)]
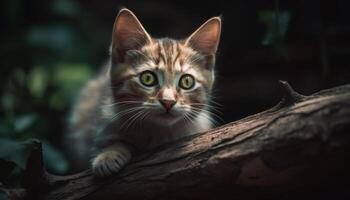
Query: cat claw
[(108, 163)]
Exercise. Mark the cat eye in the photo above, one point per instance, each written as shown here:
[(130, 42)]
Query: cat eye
[(148, 78), (186, 82)]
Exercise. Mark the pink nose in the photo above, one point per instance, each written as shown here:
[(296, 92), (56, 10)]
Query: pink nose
[(167, 104)]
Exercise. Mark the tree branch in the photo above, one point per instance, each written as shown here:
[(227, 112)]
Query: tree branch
[(297, 145)]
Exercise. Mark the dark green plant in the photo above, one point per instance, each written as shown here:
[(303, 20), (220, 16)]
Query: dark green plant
[(43, 65)]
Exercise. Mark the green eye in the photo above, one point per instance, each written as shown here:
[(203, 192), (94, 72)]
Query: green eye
[(186, 82), (148, 78)]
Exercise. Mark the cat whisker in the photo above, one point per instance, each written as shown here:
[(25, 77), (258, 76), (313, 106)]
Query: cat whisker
[(186, 119), (191, 117), (211, 114), (139, 119), (207, 105), (207, 115), (123, 103), (133, 118), (209, 111), (214, 102), (114, 117), (137, 116), (120, 114), (146, 113), (126, 122)]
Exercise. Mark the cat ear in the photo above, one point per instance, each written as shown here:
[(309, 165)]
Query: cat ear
[(128, 34), (206, 38)]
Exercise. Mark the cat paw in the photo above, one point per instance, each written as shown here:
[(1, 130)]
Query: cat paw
[(109, 162)]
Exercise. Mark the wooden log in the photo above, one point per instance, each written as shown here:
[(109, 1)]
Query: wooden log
[(299, 145)]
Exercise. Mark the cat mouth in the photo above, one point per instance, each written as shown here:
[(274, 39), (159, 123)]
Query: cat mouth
[(167, 115), (166, 118)]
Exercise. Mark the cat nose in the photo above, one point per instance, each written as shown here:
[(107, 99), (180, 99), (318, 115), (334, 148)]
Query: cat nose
[(167, 104)]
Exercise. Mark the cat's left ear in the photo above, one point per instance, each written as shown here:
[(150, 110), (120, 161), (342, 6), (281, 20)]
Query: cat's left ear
[(206, 38), (128, 34)]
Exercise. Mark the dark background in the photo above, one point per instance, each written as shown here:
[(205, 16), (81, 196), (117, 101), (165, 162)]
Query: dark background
[(50, 48)]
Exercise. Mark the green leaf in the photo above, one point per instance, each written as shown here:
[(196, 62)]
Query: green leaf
[(54, 37), (69, 77), (7, 101), (17, 151), (37, 81), (24, 122), (6, 128), (66, 8), (57, 101), (54, 159), (276, 25)]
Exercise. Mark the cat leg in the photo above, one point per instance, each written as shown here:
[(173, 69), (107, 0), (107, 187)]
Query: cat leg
[(111, 159)]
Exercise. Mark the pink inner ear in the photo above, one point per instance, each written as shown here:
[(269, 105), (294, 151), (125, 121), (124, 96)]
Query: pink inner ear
[(206, 38), (128, 34)]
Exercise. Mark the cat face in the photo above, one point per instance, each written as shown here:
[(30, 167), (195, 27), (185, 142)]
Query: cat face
[(162, 80)]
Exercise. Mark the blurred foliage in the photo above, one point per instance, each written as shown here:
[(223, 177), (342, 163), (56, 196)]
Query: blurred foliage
[(45, 59), (276, 28), (277, 25), (15, 154)]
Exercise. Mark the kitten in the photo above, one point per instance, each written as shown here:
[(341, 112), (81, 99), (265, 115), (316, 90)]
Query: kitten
[(152, 91)]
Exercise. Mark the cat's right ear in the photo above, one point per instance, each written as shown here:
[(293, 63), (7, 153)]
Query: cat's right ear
[(206, 38), (128, 34)]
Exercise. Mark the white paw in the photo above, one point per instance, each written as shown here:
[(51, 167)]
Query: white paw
[(109, 162)]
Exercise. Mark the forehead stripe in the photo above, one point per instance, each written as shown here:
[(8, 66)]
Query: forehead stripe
[(161, 53)]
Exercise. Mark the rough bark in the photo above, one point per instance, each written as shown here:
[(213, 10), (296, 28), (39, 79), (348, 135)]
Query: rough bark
[(297, 146)]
